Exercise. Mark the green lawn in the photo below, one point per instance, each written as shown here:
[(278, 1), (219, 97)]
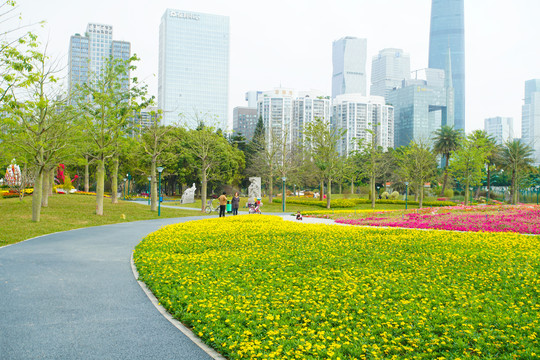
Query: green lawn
[(67, 212)]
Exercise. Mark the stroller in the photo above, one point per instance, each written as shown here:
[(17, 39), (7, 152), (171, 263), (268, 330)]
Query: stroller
[(256, 207)]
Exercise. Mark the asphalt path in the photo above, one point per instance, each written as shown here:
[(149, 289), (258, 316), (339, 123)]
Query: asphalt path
[(72, 295)]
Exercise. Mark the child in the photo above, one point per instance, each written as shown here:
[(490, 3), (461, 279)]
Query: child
[(298, 215)]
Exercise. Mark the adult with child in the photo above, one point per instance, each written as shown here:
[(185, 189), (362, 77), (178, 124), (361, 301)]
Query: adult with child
[(235, 203), (222, 204)]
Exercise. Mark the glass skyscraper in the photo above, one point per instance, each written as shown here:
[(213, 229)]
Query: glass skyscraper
[(349, 66), (530, 121), (89, 53), (388, 70), (447, 34), (193, 78)]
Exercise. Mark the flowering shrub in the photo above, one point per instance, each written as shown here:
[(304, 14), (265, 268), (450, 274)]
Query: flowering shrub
[(263, 288), (525, 220), (327, 212), (316, 202)]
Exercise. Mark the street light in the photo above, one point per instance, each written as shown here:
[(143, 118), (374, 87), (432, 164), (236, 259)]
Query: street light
[(128, 180), (406, 193), (160, 170), (124, 189), (283, 197), (471, 190), (149, 178), (295, 190), (537, 188)]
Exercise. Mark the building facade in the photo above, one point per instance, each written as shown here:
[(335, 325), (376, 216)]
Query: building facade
[(308, 106), (500, 128), (244, 121), (349, 66), (530, 121), (89, 54), (193, 76), (388, 69), (421, 106), (447, 35), (143, 119), (361, 117)]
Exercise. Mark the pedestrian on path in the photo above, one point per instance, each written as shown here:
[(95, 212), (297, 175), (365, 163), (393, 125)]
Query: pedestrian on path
[(222, 204), (235, 203)]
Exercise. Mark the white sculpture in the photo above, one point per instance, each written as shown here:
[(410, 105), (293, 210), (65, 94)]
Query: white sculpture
[(254, 189), (189, 195), (13, 175)]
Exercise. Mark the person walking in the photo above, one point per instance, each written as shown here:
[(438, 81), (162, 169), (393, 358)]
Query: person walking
[(235, 203), (222, 204)]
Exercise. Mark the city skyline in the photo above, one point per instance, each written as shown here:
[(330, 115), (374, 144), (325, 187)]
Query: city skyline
[(265, 55)]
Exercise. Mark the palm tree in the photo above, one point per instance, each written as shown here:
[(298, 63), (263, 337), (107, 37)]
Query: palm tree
[(515, 158), (446, 141), (482, 139)]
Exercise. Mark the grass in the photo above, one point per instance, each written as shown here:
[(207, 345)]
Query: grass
[(277, 207), (67, 212)]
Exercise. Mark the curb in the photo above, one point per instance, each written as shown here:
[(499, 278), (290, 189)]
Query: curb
[(196, 340)]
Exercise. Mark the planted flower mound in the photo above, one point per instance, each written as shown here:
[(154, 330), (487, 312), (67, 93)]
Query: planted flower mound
[(514, 219), (263, 288)]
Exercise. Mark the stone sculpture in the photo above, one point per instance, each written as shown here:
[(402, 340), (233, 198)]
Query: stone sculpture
[(189, 195), (254, 189)]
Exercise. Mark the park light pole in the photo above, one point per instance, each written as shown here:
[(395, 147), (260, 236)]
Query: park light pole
[(160, 170), (537, 189), (149, 189), (283, 197), (128, 181), (406, 193), (471, 190), (124, 189)]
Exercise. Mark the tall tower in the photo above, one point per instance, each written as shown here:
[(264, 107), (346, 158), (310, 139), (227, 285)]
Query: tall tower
[(349, 63), (448, 31), (193, 75), (530, 121), (388, 70)]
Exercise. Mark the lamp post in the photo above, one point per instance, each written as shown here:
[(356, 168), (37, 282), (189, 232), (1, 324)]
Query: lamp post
[(124, 190), (283, 193), (295, 190), (149, 189), (537, 189), (406, 193), (471, 190), (160, 170), (128, 181)]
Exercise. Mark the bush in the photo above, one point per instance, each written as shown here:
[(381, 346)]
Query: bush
[(342, 203), (449, 193), (385, 195), (394, 195)]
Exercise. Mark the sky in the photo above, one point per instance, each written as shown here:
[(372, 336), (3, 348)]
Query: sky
[(289, 42)]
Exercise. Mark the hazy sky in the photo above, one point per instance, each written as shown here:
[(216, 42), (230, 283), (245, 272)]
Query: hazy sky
[(289, 42)]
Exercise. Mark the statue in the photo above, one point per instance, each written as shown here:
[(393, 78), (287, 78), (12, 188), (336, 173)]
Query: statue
[(254, 189), (189, 195)]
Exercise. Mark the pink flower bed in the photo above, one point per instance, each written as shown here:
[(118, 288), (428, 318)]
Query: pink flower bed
[(521, 220)]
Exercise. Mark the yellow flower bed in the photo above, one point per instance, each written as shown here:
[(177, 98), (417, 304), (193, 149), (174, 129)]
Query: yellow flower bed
[(258, 287)]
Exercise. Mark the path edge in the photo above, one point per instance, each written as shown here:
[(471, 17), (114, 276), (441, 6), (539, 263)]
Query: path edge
[(186, 331)]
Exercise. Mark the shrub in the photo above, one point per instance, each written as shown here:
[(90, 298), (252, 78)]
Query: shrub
[(342, 203), (385, 195), (394, 195), (449, 193)]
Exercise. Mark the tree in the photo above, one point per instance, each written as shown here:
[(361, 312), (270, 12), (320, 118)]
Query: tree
[(516, 157), (321, 140), (468, 162), (446, 141), (417, 164), (106, 104), (492, 150), (264, 161)]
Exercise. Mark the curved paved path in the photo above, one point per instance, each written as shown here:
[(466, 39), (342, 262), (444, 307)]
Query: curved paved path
[(72, 295)]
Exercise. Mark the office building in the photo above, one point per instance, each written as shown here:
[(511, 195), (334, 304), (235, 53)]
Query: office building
[(447, 35), (388, 69), (361, 117), (193, 75), (252, 97), (89, 54), (244, 121), (530, 121), (500, 128), (421, 106), (349, 66), (143, 119), (308, 106)]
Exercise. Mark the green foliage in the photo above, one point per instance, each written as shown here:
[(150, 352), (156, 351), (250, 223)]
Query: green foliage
[(449, 193), (394, 195), (346, 202)]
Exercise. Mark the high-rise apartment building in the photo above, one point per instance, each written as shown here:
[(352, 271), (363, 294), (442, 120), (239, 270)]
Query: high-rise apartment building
[(388, 70), (244, 121), (88, 54), (193, 77), (500, 128), (349, 66), (530, 121), (447, 35), (308, 106), (421, 106), (361, 117)]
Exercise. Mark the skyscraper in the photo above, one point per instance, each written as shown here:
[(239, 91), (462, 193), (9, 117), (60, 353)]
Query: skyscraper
[(349, 66), (500, 128), (530, 123), (447, 34), (89, 53), (193, 77), (388, 70)]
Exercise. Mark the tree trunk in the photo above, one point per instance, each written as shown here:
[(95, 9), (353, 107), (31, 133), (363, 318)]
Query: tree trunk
[(515, 190), (36, 197), (340, 187), (153, 187), (270, 189), (51, 181), (100, 186), (416, 193), (421, 195), (45, 189), (466, 193), (204, 186), (114, 181), (372, 190), (447, 159), (86, 175), (321, 188), (352, 187), (488, 184), (329, 193)]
